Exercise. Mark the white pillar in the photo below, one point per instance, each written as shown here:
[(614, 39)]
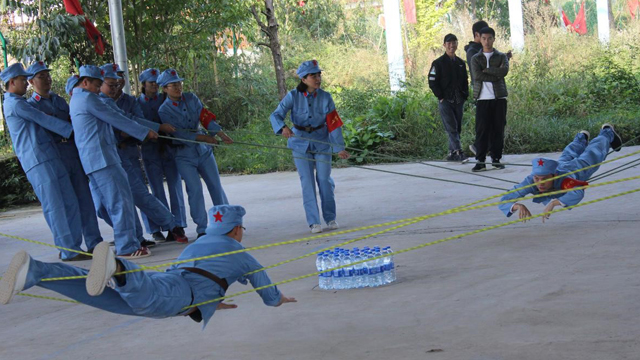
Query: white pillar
[(515, 23), (603, 21), (119, 42), (395, 56)]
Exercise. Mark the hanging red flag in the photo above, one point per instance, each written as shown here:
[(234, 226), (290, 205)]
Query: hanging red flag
[(565, 20), (580, 23), (410, 11), (634, 6), (73, 7)]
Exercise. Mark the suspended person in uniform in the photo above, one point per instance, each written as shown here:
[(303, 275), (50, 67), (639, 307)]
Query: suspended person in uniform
[(40, 159), (50, 103), (155, 294), (580, 153), (185, 111), (130, 155), (92, 122), (314, 117), (159, 158)]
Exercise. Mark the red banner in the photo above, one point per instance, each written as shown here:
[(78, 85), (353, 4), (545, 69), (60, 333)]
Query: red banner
[(634, 6), (410, 11), (580, 23)]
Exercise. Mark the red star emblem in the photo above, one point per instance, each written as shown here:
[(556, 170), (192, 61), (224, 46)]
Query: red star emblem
[(315, 63), (153, 72), (102, 72), (146, 98), (173, 73), (175, 103), (218, 216), (540, 162), (41, 63), (115, 67), (37, 97)]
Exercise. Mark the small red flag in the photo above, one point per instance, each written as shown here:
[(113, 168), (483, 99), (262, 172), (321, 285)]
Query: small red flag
[(634, 6), (206, 117), (333, 120), (565, 20), (73, 7)]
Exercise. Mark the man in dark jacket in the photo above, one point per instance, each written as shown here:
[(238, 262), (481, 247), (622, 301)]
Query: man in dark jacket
[(448, 81), (489, 67), (474, 47)]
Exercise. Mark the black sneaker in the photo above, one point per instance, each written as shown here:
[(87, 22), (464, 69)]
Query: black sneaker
[(496, 164), (616, 143), (461, 156), (147, 243), (479, 167), (158, 237), (452, 156)]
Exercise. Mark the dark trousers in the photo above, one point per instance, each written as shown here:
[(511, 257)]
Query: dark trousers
[(491, 118), (451, 114)]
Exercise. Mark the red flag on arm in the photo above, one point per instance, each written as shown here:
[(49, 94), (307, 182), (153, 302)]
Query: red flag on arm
[(580, 23), (73, 7), (206, 117), (570, 183), (333, 121)]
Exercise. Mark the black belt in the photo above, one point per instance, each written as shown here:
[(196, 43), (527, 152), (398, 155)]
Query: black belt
[(308, 129), (196, 315)]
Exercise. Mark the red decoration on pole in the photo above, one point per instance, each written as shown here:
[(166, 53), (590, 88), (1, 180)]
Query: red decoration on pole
[(410, 11), (634, 7), (73, 7), (579, 24)]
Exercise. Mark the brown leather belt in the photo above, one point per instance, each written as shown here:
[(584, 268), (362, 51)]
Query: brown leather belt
[(222, 282), (308, 129)]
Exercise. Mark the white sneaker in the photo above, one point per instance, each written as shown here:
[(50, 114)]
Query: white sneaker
[(332, 225), (15, 277), (102, 269), (316, 228)]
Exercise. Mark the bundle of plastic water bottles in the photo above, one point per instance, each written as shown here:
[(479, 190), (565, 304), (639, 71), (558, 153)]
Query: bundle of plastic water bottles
[(370, 273)]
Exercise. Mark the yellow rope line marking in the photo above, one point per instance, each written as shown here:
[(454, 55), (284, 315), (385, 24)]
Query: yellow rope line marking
[(402, 223), (411, 248), (49, 298), (45, 244), (404, 250)]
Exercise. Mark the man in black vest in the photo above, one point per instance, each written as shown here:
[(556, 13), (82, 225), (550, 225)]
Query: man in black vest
[(448, 81)]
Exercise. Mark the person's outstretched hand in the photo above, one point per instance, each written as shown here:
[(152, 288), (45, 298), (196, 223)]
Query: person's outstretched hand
[(223, 306), (284, 299)]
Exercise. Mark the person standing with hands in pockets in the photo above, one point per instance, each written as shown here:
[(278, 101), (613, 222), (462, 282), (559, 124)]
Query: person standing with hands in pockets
[(314, 117)]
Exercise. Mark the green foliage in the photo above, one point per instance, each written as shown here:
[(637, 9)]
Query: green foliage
[(429, 15), (14, 186)]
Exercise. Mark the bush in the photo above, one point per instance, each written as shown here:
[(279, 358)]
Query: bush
[(15, 189)]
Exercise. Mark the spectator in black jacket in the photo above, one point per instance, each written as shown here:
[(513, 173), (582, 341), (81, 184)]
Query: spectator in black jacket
[(448, 81), (474, 47)]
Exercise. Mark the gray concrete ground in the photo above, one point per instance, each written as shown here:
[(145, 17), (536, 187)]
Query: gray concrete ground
[(565, 289)]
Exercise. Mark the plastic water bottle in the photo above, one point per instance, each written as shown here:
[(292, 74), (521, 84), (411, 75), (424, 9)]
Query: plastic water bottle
[(380, 266), (392, 266), (373, 270), (349, 278), (358, 271), (319, 268), (338, 274), (326, 280)]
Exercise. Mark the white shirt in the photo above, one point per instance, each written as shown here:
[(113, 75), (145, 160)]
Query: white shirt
[(487, 86)]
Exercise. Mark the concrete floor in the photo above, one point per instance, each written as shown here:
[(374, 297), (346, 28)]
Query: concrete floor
[(566, 289)]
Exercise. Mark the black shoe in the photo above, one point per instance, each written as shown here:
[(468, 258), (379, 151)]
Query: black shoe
[(158, 237), (79, 257), (461, 156), (616, 143), (200, 235), (452, 156), (496, 164), (479, 167), (147, 243)]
